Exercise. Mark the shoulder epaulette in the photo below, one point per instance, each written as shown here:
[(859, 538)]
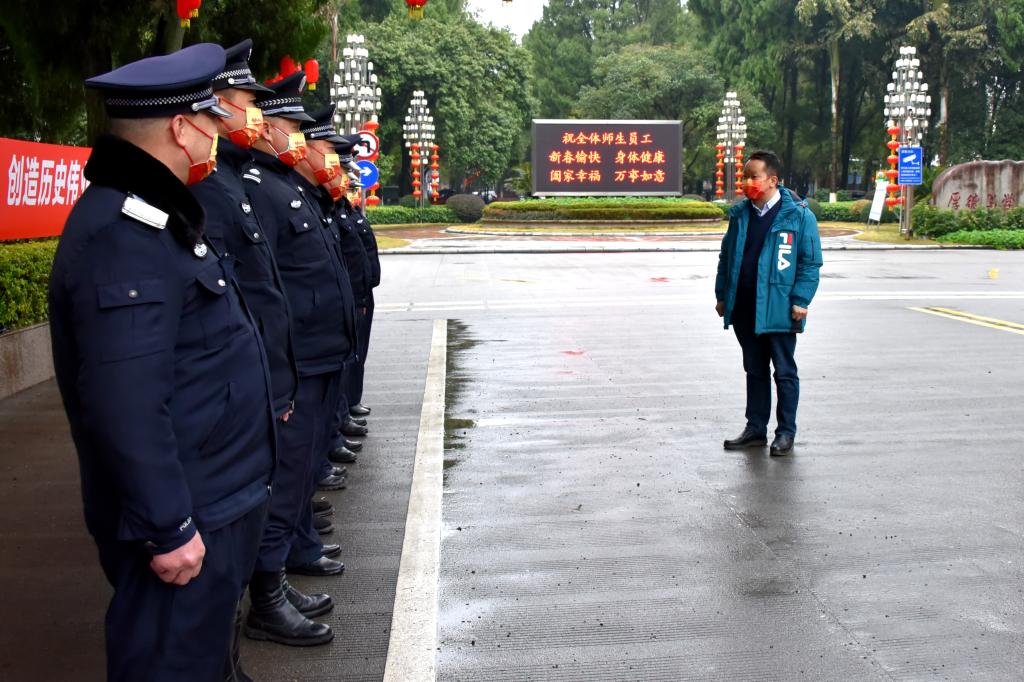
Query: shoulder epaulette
[(253, 175), (139, 210)]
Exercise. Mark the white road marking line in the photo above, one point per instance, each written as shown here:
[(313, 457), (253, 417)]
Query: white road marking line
[(514, 304), (412, 650)]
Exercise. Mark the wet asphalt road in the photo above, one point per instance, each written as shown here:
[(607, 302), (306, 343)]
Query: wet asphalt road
[(593, 527)]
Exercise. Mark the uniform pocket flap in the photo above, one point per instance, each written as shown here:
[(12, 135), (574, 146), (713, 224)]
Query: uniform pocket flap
[(130, 293), (213, 280), (251, 229), (301, 223)]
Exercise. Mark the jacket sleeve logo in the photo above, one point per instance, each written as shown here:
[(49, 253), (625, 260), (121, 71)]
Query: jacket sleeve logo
[(785, 248)]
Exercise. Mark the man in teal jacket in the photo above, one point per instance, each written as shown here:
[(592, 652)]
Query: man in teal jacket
[(767, 276)]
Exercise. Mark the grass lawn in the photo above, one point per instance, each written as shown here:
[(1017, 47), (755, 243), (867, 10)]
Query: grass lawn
[(384, 242), (886, 233), (618, 229)]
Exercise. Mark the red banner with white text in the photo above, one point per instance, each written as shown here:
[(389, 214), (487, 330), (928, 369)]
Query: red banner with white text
[(41, 182)]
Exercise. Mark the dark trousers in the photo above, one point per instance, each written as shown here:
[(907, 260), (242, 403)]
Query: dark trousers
[(297, 462), (354, 377), (305, 545), (758, 352), (167, 633)]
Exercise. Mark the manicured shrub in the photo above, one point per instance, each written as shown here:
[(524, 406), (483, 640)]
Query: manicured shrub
[(24, 281), (999, 239), (469, 208), (815, 207), (400, 215), (408, 201)]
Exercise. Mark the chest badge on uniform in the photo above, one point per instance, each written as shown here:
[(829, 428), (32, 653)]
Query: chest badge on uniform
[(200, 250), (246, 208), (296, 204)]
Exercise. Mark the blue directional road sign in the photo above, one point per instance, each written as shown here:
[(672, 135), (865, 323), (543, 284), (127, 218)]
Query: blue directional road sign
[(369, 174), (911, 166)]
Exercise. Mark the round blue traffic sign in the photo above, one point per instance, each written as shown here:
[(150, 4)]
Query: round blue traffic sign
[(369, 173)]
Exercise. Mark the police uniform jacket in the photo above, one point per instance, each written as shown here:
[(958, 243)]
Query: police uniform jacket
[(233, 227), (365, 232), (315, 281), (351, 248), (161, 370)]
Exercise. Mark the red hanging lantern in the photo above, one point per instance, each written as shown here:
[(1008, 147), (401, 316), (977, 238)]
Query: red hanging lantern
[(312, 69), (288, 66), (892, 174), (416, 8), (892, 201), (184, 10), (893, 145), (194, 6)]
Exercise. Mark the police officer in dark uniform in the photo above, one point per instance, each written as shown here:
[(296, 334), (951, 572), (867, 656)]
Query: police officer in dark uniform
[(320, 299), (280, 611), (163, 377), (364, 319)]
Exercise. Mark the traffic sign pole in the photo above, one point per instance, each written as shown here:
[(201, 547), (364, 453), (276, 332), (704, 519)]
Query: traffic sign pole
[(911, 174)]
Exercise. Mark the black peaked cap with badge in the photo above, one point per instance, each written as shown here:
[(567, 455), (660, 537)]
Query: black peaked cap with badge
[(284, 98), (236, 73), (345, 148), (167, 85), (321, 127)]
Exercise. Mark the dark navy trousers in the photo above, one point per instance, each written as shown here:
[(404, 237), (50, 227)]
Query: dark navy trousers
[(300, 444), (354, 376), (305, 545), (760, 353), (167, 633)]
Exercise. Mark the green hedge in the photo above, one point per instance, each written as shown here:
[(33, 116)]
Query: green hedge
[(930, 221), (24, 280), (999, 239), (610, 209), (400, 215), (468, 207)]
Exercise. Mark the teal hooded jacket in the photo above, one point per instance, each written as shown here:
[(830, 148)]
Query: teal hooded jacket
[(787, 269)]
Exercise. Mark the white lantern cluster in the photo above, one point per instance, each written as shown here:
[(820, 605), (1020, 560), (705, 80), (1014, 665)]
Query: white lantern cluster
[(355, 87), (908, 106), (732, 127), (419, 124)]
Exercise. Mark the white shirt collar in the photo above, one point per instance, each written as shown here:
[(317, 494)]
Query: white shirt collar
[(768, 204)]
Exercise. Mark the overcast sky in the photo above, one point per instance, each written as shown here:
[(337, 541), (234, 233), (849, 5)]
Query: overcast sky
[(517, 16)]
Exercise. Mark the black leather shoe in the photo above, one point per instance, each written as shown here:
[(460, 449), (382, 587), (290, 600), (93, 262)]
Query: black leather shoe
[(273, 618), (339, 471), (323, 525), (309, 605), (748, 439), (353, 430), (319, 568), (332, 482), (782, 445), (322, 507), (342, 456), (353, 445), (330, 551), (359, 421), (359, 410)]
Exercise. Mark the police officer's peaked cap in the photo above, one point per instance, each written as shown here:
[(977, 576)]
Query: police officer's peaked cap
[(285, 98), (177, 83), (322, 125), (236, 73), (346, 144)]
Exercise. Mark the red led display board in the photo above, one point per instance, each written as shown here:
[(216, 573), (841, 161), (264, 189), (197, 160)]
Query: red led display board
[(607, 158)]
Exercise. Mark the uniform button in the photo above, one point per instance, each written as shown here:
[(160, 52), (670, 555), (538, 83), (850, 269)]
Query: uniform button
[(132, 293), (255, 235), (221, 283), (305, 224)]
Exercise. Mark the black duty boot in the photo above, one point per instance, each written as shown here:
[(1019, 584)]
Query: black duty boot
[(359, 410), (273, 618), (322, 507), (748, 439), (322, 525), (353, 445), (342, 455), (782, 445), (311, 605), (352, 430)]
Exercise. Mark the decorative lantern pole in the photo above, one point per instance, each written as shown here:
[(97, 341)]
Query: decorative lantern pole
[(907, 110), (355, 90), (732, 139), (418, 131)]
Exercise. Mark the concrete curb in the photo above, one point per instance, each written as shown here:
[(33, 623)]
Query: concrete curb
[(25, 358), (407, 251)]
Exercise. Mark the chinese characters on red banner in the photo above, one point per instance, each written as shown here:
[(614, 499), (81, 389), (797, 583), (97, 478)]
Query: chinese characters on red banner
[(633, 159), (41, 184)]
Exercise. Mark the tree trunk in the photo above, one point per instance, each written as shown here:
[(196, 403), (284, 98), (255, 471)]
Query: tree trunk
[(834, 67), (791, 122), (98, 60)]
